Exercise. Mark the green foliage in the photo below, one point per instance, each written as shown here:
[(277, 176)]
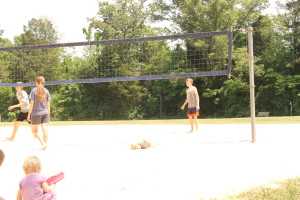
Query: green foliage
[(172, 94), (122, 19), (30, 63), (269, 44), (276, 56), (5, 60), (290, 20), (234, 97), (7, 98), (278, 94), (200, 16), (69, 103)]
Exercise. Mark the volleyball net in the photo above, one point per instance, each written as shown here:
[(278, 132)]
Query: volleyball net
[(148, 58)]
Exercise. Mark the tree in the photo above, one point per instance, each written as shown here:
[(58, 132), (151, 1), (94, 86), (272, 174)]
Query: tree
[(291, 21), (122, 19), (275, 49), (66, 99), (269, 44), (6, 97), (202, 16), (1, 32), (5, 60), (279, 94), (33, 62)]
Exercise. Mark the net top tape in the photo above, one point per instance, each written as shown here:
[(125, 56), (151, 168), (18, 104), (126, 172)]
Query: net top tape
[(127, 40), (128, 78)]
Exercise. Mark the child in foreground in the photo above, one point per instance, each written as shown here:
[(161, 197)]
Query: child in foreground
[(2, 157), (34, 186)]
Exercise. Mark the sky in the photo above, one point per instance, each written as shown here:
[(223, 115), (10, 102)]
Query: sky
[(68, 16)]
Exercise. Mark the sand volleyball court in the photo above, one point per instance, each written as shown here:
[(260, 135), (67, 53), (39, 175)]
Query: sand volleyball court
[(98, 163)]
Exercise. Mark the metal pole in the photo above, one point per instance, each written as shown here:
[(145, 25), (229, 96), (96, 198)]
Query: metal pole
[(251, 80), (291, 108), (160, 105)]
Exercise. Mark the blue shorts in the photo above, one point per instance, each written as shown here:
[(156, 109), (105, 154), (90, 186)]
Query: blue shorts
[(192, 112), (40, 119)]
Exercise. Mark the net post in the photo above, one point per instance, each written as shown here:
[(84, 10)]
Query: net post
[(230, 39), (251, 80)]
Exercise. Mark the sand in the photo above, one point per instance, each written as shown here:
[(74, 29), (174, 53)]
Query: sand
[(98, 164)]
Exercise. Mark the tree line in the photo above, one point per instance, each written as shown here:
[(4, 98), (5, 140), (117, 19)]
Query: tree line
[(276, 52)]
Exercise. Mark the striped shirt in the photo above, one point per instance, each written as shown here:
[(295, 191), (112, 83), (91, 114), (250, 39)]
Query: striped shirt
[(23, 97)]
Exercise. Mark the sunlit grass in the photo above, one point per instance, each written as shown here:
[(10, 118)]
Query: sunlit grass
[(286, 190)]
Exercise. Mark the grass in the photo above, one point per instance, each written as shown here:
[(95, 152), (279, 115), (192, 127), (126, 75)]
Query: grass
[(285, 190), (259, 120)]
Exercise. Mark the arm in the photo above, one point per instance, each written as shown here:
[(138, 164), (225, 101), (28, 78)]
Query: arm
[(47, 188), (15, 106), (30, 110), (19, 195), (48, 107), (186, 101)]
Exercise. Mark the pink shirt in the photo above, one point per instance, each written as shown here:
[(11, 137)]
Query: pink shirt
[(31, 186)]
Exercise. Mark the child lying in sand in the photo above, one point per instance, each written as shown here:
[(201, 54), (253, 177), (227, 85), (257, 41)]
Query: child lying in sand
[(142, 145)]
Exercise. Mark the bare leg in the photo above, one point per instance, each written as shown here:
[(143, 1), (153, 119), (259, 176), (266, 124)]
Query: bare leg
[(45, 133), (191, 123), (196, 122), (16, 127), (34, 130)]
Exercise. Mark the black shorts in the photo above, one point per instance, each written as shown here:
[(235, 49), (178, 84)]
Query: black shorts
[(22, 116)]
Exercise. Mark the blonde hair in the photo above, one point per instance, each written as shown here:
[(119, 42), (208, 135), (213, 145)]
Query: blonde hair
[(32, 164), (2, 156), (20, 86), (190, 80), (40, 80)]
